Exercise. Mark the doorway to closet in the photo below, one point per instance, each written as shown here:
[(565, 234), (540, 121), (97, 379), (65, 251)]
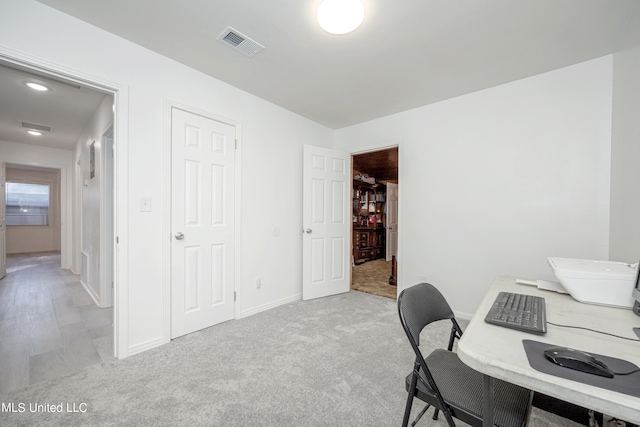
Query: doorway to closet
[(375, 222)]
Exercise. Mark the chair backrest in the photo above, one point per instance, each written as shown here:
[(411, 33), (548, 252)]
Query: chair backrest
[(420, 305)]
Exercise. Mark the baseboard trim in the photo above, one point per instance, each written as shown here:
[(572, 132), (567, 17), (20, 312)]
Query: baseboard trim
[(147, 345), (91, 293), (247, 313), (461, 315)]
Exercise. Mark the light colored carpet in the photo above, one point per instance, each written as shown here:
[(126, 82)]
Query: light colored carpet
[(336, 361), (373, 277)]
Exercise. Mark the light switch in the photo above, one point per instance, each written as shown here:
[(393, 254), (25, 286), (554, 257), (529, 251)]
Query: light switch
[(145, 204)]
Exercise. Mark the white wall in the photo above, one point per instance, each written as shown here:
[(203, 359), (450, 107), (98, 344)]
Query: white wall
[(36, 238), (33, 155), (270, 152), (87, 212), (625, 150), (494, 182)]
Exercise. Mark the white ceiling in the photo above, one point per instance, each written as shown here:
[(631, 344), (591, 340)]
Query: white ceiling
[(406, 54), (66, 109)]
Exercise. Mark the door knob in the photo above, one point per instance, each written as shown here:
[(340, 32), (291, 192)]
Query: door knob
[(308, 231), (179, 236)]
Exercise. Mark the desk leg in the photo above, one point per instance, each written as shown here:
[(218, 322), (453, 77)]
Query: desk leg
[(487, 415)]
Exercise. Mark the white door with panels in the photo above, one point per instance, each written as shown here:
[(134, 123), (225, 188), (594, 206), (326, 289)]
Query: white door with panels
[(202, 222), (392, 220), (326, 221), (3, 219)]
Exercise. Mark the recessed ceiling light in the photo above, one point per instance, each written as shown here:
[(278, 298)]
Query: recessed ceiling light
[(37, 86), (340, 16), (34, 132)]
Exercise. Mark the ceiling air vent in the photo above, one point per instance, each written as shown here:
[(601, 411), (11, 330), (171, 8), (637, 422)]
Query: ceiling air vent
[(33, 126), (240, 42)]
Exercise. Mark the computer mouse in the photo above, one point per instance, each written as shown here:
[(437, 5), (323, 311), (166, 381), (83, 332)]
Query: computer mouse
[(578, 360)]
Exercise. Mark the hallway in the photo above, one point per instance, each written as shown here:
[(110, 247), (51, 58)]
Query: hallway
[(49, 325)]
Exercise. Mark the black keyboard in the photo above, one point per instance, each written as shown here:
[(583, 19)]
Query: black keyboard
[(517, 311)]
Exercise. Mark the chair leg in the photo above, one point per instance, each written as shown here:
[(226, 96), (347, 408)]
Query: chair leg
[(435, 414), (407, 411), (410, 394), (596, 419), (427, 406)]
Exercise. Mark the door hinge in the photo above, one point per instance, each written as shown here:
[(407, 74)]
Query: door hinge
[(235, 144), (117, 240), (234, 295)]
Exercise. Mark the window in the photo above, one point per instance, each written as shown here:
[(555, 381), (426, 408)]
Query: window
[(27, 204)]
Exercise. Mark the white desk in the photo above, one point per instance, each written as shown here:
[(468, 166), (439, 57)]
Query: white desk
[(498, 352)]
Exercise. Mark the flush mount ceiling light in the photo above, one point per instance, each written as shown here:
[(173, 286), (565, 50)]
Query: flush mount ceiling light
[(340, 16), (34, 132), (37, 86)]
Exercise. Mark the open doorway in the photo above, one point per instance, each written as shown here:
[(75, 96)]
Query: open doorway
[(65, 113), (33, 210), (374, 222)]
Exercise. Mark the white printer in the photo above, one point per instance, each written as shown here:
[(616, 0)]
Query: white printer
[(596, 282)]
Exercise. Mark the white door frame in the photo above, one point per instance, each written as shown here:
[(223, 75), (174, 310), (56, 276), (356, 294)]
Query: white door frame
[(166, 211), (388, 229), (3, 222), (107, 235), (393, 144), (66, 208), (120, 93)]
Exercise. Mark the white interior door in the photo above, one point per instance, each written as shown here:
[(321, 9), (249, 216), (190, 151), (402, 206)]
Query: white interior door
[(202, 222), (326, 221), (392, 220), (3, 220)]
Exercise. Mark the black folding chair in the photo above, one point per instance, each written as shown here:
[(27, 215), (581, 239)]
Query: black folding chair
[(441, 379)]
